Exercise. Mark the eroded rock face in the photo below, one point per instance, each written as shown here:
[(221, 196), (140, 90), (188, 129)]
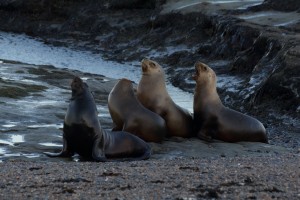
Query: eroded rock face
[(288, 5), (266, 58), (131, 4)]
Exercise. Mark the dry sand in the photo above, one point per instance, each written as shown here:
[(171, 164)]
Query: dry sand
[(276, 177)]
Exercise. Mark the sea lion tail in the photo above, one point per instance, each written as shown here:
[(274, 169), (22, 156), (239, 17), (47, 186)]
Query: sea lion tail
[(145, 156)]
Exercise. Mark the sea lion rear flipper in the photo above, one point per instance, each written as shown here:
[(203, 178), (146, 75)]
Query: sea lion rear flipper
[(99, 157), (65, 152), (98, 153)]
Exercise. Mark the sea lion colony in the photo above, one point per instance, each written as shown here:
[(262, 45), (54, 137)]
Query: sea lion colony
[(150, 115)]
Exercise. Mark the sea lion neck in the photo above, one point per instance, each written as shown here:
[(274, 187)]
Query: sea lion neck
[(153, 79), (207, 93), (154, 87)]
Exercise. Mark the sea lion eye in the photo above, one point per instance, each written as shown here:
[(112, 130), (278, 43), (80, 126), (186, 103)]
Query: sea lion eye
[(205, 68), (152, 64)]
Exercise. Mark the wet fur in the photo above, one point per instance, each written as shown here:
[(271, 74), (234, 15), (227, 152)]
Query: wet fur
[(83, 133), (128, 114), (212, 120), (152, 93)]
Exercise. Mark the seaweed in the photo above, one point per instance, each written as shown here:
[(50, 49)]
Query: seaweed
[(20, 90)]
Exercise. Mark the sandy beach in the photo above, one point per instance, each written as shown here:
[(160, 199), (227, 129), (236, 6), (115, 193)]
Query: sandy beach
[(275, 177)]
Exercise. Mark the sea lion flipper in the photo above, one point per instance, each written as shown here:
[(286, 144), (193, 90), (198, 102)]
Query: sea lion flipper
[(203, 136), (60, 154), (65, 152), (99, 157), (98, 153), (116, 128)]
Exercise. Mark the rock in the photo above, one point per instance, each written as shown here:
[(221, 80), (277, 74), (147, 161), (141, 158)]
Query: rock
[(287, 5), (131, 4)]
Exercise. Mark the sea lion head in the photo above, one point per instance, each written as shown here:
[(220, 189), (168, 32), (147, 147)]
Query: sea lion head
[(77, 86), (150, 67), (204, 74), (125, 85)]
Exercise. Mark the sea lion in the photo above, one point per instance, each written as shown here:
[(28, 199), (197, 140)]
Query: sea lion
[(153, 94), (128, 114), (212, 120), (82, 132)]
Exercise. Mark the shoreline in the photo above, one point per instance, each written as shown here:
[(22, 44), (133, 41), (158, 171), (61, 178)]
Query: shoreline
[(42, 92)]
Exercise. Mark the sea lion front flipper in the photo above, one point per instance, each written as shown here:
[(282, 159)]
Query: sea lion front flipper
[(98, 153), (65, 152), (203, 136), (116, 128)]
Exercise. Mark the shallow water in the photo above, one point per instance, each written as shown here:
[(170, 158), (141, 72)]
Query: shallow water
[(33, 119), (272, 18), (28, 50)]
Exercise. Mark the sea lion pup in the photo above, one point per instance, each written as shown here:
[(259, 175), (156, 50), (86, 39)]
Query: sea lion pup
[(153, 94), (212, 120), (82, 132), (130, 115)]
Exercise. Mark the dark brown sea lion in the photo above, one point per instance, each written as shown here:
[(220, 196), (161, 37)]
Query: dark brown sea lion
[(82, 132), (212, 120), (128, 114), (153, 94)]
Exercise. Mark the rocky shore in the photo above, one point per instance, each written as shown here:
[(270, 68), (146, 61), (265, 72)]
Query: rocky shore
[(178, 169), (263, 53)]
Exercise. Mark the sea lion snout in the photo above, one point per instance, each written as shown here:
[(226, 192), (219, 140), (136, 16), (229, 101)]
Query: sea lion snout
[(199, 66), (197, 70), (144, 67), (145, 63), (77, 84), (148, 64)]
